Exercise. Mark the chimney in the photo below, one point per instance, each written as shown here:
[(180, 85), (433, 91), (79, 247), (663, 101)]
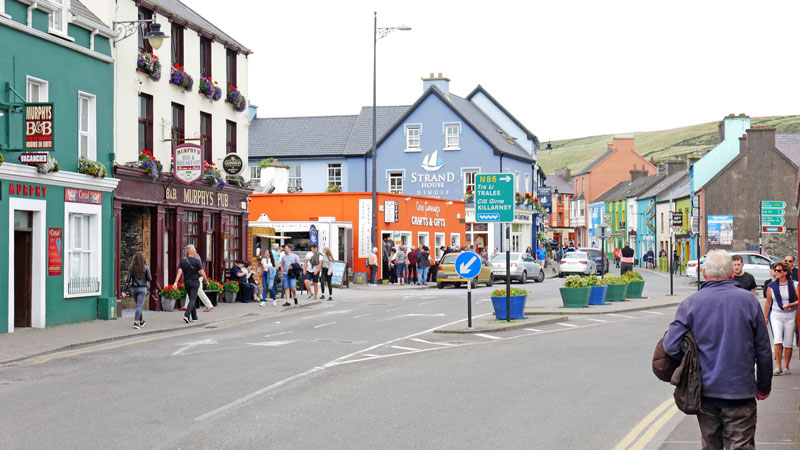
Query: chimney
[(761, 138), (441, 83), (693, 158), (732, 125), (636, 174), (564, 173), (675, 165)]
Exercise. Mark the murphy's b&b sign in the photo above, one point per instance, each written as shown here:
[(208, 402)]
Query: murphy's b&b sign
[(39, 126)]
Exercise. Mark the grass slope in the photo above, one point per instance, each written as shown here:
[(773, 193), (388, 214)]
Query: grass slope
[(578, 153)]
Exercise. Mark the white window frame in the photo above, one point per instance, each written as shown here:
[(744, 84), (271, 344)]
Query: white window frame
[(457, 241), (91, 131), (438, 243), (395, 175), (96, 251), (446, 128), (60, 8), (406, 132), (527, 183), (516, 181), (427, 239), (3, 10), (298, 178), (465, 171), (334, 179), (44, 89), (254, 169), (38, 263)]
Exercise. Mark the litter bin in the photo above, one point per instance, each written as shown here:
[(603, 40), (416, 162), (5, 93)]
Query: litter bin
[(107, 308)]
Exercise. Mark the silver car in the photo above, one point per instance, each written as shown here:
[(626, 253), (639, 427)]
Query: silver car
[(522, 266), (576, 263)]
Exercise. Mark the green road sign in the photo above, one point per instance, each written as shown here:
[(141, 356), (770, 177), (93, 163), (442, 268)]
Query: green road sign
[(772, 211), (772, 221), (494, 197), (769, 204)]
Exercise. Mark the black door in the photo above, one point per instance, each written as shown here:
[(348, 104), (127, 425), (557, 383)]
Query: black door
[(23, 265)]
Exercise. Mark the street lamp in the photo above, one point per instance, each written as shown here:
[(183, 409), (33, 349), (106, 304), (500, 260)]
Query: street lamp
[(128, 28), (377, 34)]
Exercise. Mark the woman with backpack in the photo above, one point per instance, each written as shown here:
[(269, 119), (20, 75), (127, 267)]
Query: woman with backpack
[(138, 277), (327, 273)]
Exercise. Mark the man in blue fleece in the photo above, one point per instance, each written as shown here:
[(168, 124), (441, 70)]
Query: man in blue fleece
[(731, 337)]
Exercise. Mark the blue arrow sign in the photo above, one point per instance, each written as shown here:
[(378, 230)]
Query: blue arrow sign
[(468, 265)]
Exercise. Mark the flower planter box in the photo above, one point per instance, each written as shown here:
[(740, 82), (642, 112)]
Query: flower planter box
[(230, 297), (616, 292), (575, 297), (167, 304), (598, 295), (517, 307), (635, 289)]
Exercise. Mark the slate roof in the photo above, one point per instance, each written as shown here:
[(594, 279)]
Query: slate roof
[(627, 189), (480, 89), (556, 182), (300, 136), (591, 165), (789, 145), (665, 185), (79, 9), (175, 7), (681, 190), (360, 141)]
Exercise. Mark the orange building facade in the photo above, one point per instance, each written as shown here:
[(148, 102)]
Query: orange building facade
[(346, 221)]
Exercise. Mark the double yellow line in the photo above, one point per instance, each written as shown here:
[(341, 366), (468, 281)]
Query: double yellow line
[(650, 425)]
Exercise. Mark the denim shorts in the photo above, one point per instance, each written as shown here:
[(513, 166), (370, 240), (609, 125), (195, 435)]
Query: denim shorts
[(289, 282)]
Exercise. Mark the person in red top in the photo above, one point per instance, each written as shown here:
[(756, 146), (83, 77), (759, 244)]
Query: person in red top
[(411, 268), (617, 256)]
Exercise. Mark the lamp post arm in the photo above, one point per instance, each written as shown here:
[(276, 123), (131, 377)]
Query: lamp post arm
[(128, 28)]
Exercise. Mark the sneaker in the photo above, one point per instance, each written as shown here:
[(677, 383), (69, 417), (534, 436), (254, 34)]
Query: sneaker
[(776, 372), (274, 302), (295, 300), (322, 297), (287, 304), (195, 320), (786, 371), (141, 324), (330, 299), (137, 326), (208, 309), (186, 319), (310, 296), (262, 304), (183, 309)]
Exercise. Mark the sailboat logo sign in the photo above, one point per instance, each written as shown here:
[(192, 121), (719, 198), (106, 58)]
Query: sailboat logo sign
[(432, 162)]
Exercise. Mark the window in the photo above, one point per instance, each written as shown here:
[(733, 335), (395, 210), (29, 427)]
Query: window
[(177, 44), (412, 136), (527, 183), (230, 137), (83, 255), (423, 239), (205, 132), (191, 228), (455, 240), (144, 44), (205, 57), (255, 173), (469, 181), (145, 122), (516, 182), (560, 219), (233, 238), (560, 199), (58, 18), (295, 176), (230, 66), (451, 132), (36, 90), (396, 182), (662, 221), (334, 174), (439, 241), (87, 126), (178, 128)]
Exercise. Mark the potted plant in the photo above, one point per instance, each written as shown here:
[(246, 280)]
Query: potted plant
[(235, 98), (635, 284), (212, 290), (334, 188), (518, 299), (598, 295), (230, 289), (210, 89), (518, 198), (528, 198), (576, 292), (235, 180), (88, 167), (169, 294), (149, 64), (180, 78), (212, 175), (617, 287), (149, 163), (469, 196)]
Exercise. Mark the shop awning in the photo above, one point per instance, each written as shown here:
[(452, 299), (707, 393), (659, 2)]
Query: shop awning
[(268, 236)]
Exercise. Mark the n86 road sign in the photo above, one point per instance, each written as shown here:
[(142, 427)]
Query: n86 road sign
[(494, 197)]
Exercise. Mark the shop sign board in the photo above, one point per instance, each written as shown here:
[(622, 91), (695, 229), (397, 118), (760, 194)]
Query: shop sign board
[(39, 126), (720, 230), (188, 163), (677, 219), (338, 273), (55, 247), (494, 197), (33, 158), (83, 196), (390, 214), (232, 164), (364, 227), (313, 236)]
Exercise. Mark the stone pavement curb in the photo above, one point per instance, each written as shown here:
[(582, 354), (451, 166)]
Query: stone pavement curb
[(500, 326)]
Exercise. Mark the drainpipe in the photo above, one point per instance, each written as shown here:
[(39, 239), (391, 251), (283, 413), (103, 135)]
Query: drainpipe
[(33, 6), (365, 172), (91, 38), (534, 192)]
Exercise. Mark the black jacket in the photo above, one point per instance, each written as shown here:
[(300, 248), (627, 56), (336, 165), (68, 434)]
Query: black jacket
[(137, 281)]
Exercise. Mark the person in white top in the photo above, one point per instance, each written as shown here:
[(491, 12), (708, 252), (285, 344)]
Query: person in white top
[(783, 296), (311, 269)]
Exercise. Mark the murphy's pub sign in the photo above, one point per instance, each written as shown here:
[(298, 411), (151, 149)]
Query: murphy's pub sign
[(188, 163), (39, 126)]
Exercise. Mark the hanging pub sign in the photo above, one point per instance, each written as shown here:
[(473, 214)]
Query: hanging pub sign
[(39, 126), (232, 164), (187, 164)]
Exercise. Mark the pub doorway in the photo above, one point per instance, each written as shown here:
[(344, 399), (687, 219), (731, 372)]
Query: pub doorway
[(23, 265), (136, 235)]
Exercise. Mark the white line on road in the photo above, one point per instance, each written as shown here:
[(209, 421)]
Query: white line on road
[(487, 336), (652, 312), (270, 343), (597, 320), (328, 313), (621, 315), (371, 355), (362, 315), (564, 324), (393, 309), (411, 315), (324, 325), (405, 348), (429, 342), (532, 329), (277, 334), (189, 345), (426, 303)]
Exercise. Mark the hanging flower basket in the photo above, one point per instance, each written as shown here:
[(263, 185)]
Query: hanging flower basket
[(180, 78), (518, 198), (88, 167), (334, 188), (469, 196), (210, 88), (236, 99), (212, 175), (149, 64), (235, 180), (149, 163)]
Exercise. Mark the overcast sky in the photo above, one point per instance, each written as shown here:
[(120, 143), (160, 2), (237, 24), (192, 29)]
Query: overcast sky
[(564, 68)]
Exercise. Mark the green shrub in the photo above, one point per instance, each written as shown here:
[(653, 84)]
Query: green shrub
[(632, 276), (514, 291), (612, 280), (575, 281), (593, 281)]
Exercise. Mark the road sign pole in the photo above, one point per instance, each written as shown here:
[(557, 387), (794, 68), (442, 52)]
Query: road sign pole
[(760, 229), (469, 304), (671, 263), (508, 274)]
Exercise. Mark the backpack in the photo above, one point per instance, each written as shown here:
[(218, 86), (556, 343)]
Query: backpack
[(315, 259)]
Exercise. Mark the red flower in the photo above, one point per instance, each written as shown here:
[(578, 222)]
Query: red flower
[(536, 200)]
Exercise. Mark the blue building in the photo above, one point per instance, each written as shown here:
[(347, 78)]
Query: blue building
[(434, 148)]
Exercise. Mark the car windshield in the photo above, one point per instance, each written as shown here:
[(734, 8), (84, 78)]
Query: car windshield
[(450, 258), (575, 255), (502, 257), (593, 253)]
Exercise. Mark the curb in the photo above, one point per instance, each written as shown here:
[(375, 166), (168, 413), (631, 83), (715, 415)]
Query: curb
[(587, 311), (502, 328)]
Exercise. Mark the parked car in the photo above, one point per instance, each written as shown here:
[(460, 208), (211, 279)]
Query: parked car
[(755, 263), (576, 263), (522, 266), (599, 259), (447, 273)]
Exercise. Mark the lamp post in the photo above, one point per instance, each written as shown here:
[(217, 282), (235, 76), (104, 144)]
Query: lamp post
[(377, 34), (128, 28)]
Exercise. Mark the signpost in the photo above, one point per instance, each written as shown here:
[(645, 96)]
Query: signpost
[(468, 265), (677, 219), (772, 218), (494, 202)]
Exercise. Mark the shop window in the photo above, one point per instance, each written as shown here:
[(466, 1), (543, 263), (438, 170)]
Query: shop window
[(144, 44), (439, 241), (205, 57), (230, 137), (145, 122), (230, 66), (295, 176), (177, 44), (83, 256), (455, 240), (205, 133), (396, 182), (178, 124), (413, 133), (335, 175), (58, 18), (234, 238), (191, 228), (87, 126), (36, 90), (423, 238), (451, 132)]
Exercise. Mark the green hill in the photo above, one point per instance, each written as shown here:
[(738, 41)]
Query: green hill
[(578, 153)]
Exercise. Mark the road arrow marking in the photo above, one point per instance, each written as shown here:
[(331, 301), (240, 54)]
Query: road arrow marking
[(465, 266), (189, 345), (270, 343)]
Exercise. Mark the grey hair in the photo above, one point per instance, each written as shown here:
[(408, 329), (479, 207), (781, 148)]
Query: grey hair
[(189, 246), (375, 249), (718, 265)]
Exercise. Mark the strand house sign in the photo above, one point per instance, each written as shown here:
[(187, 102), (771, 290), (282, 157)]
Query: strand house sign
[(188, 163)]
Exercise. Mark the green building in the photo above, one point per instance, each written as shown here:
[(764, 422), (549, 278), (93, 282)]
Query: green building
[(56, 102)]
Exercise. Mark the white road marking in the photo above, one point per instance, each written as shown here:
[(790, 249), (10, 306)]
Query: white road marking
[(362, 315), (621, 315), (394, 309), (652, 312), (426, 303), (277, 334), (371, 354), (432, 343), (189, 345), (532, 329), (411, 315), (328, 313), (564, 324), (405, 348), (487, 336), (270, 343), (597, 320), (324, 325)]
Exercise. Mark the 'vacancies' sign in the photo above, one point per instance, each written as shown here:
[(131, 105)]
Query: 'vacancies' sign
[(39, 125)]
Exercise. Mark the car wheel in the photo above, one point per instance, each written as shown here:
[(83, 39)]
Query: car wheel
[(524, 278), (440, 285), (490, 283), (540, 278), (474, 282), (457, 285)]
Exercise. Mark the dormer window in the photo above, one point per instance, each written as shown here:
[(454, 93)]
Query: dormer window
[(58, 18), (451, 136)]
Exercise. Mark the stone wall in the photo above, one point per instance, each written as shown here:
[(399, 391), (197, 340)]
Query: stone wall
[(780, 244), (135, 236)]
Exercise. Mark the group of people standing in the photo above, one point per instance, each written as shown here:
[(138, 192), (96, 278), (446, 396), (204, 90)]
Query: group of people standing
[(316, 267), (400, 264)]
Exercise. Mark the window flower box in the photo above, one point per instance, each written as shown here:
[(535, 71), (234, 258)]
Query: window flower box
[(236, 99), (180, 78), (210, 89), (149, 163), (88, 167), (212, 175), (149, 64)]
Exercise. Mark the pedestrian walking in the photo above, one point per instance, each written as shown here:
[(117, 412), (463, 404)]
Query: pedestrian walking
[(138, 278), (191, 269), (392, 265), (676, 261), (649, 258), (411, 268), (626, 259), (617, 256), (201, 294), (793, 270), (372, 265), (268, 274), (388, 245), (541, 255), (327, 273), (423, 265), (311, 268), (290, 264), (743, 279), (400, 259), (731, 335), (780, 310)]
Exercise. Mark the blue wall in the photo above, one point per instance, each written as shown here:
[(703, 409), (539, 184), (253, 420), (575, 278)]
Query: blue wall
[(314, 173), (713, 161), (645, 236)]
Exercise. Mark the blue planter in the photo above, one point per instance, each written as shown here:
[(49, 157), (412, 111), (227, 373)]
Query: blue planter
[(517, 307), (598, 295)]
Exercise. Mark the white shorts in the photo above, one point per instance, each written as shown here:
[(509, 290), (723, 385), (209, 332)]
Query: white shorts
[(782, 327)]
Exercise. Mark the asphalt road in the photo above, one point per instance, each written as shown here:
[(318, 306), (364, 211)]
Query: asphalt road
[(364, 372)]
